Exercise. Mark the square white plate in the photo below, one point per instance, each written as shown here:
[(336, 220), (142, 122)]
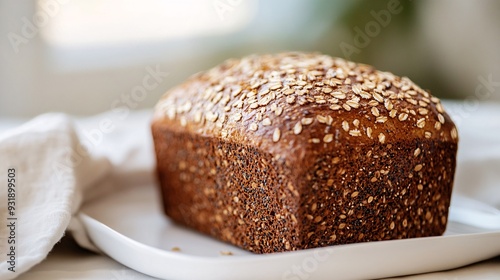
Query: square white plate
[(137, 234)]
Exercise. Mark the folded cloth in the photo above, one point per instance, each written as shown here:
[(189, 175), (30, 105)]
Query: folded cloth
[(50, 168), (478, 161), (62, 166), (127, 144)]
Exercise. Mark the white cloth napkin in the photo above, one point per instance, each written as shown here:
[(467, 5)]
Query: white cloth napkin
[(60, 165), (478, 169), (55, 176), (49, 179)]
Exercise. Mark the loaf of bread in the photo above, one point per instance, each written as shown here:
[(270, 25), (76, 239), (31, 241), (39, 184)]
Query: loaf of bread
[(290, 151)]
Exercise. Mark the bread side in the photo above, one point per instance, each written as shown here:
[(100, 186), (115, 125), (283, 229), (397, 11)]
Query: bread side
[(291, 151)]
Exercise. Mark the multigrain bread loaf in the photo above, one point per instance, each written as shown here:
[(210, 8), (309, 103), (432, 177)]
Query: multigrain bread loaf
[(291, 151)]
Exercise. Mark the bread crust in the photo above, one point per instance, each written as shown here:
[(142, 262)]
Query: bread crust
[(295, 150)]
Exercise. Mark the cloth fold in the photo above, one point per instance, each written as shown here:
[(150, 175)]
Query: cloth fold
[(62, 164), (51, 169)]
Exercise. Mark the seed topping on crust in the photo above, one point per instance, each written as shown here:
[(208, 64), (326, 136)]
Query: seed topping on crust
[(264, 92)]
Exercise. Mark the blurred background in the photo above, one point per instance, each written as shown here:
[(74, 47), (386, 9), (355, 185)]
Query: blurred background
[(87, 56)]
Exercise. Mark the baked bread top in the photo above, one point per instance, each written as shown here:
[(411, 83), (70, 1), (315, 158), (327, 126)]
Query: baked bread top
[(295, 103)]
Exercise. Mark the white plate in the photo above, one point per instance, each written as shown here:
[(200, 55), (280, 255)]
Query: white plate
[(135, 233)]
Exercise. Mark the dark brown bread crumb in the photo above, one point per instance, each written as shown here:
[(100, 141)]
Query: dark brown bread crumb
[(283, 152)]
